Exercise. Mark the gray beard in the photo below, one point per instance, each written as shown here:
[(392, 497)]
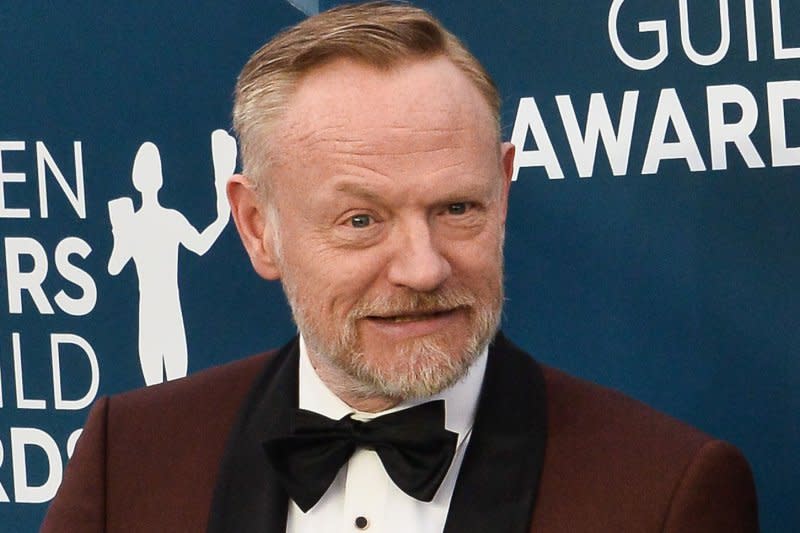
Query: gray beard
[(422, 366)]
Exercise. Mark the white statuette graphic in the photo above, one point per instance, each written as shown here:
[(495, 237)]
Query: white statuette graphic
[(309, 7), (151, 237)]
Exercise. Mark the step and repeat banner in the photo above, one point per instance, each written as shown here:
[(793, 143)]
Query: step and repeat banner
[(653, 242)]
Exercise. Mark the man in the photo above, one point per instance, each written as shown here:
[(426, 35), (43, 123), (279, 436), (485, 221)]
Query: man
[(375, 188)]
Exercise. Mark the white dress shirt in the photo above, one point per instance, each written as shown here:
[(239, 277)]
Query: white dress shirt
[(363, 494)]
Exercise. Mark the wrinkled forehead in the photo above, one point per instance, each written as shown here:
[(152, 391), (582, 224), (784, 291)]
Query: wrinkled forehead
[(420, 101)]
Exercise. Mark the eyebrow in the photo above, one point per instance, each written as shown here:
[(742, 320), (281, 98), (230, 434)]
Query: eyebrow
[(369, 193), (357, 189)]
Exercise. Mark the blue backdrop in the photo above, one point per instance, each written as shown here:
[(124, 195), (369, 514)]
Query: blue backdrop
[(661, 260)]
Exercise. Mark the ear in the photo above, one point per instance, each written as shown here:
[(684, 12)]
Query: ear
[(507, 151), (254, 226)]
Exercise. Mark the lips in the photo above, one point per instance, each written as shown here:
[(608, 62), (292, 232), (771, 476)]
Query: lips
[(404, 325), (412, 317)]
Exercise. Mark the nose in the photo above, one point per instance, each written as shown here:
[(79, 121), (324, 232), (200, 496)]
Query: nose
[(417, 263)]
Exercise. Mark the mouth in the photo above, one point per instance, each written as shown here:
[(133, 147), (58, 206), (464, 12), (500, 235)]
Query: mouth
[(407, 324), (414, 316)]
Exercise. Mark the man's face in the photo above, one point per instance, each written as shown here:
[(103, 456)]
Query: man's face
[(389, 192)]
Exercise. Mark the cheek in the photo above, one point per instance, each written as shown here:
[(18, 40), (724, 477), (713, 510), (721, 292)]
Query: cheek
[(478, 260), (333, 281), (306, 258), (480, 274)]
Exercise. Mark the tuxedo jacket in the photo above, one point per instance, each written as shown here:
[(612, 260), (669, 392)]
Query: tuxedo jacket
[(548, 453)]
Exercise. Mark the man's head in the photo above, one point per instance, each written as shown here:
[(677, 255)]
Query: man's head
[(385, 203), (379, 34)]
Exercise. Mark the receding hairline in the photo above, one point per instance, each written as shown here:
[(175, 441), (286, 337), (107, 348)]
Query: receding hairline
[(379, 34)]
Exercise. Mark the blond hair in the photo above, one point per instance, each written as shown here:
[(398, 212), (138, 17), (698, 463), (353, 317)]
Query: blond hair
[(380, 34)]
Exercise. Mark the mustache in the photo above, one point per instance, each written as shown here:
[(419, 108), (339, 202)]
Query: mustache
[(414, 303)]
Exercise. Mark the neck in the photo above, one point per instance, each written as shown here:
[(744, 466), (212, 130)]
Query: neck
[(344, 386)]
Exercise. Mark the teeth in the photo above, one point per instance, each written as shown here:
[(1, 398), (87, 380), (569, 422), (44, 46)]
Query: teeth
[(409, 318), (406, 318)]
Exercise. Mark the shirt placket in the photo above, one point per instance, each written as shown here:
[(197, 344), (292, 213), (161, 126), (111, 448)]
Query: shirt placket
[(365, 494)]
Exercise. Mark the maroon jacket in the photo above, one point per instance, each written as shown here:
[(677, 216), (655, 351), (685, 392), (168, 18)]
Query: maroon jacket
[(548, 453)]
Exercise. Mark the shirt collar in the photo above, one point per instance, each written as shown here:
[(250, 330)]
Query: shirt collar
[(461, 398)]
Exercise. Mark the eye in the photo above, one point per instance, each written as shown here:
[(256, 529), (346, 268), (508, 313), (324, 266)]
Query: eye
[(360, 221), (458, 208)]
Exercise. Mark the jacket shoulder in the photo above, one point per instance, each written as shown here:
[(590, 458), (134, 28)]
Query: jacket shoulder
[(164, 445), (613, 463), (147, 460), (579, 408)]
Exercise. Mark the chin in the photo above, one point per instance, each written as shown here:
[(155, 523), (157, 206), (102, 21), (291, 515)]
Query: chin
[(417, 368)]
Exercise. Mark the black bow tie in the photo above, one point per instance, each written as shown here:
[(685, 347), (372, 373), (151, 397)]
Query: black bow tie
[(415, 448)]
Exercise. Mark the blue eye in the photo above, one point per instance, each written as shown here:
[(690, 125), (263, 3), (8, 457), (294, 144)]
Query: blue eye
[(458, 208), (360, 221)]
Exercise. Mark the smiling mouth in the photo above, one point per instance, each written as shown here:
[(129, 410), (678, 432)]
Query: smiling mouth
[(413, 317)]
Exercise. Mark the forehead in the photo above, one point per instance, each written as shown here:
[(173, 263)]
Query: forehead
[(410, 107)]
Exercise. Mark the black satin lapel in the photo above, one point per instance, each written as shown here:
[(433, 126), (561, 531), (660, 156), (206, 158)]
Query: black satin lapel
[(248, 496), (499, 478)]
